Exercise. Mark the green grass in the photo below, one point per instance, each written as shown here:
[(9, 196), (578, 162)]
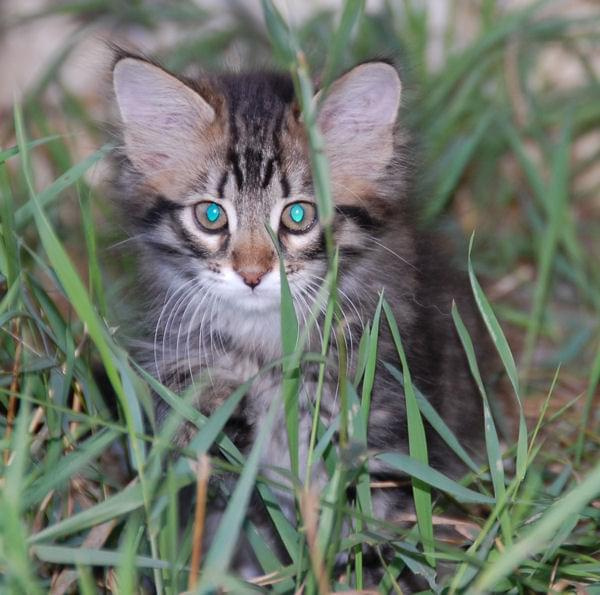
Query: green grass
[(501, 153)]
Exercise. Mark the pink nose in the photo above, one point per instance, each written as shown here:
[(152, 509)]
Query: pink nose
[(251, 279)]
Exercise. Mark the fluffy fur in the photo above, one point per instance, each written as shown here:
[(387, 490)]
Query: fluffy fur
[(238, 140)]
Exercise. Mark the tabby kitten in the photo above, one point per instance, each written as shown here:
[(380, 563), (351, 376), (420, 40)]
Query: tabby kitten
[(206, 165)]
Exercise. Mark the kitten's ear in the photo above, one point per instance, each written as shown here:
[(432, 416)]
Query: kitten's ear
[(164, 121), (357, 119)]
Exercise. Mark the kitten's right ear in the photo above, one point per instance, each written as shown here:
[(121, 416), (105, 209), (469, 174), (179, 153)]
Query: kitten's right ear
[(357, 118), (164, 121)]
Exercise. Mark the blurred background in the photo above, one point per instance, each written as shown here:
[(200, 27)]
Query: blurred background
[(503, 97)]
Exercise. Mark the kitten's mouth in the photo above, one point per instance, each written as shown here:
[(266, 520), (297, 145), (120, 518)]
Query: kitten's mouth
[(253, 301), (237, 294)]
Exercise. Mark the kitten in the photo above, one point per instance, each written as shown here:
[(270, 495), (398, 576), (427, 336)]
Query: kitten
[(206, 164)]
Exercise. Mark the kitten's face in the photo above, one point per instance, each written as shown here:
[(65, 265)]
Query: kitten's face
[(217, 163), (256, 178)]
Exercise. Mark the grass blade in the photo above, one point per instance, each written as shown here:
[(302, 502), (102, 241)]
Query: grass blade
[(291, 372), (29, 209), (58, 554), (118, 505), (6, 154), (352, 11), (432, 477), (506, 356), (417, 443), (225, 539), (68, 466), (558, 195), (492, 443), (436, 422)]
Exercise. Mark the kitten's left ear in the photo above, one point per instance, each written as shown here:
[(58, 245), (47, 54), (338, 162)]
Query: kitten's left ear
[(357, 119)]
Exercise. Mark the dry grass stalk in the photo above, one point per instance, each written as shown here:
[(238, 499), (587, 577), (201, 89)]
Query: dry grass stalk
[(36, 420), (14, 387), (309, 507), (382, 485), (77, 407), (38, 521), (63, 581), (202, 475), (265, 580)]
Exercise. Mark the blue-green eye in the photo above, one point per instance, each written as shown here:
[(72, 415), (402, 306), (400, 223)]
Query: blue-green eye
[(297, 213), (213, 212), (210, 216), (299, 217)]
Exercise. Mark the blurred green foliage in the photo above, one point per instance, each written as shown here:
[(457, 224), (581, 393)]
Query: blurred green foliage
[(506, 144)]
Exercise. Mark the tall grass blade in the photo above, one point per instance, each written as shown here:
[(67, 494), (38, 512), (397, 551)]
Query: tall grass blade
[(225, 539), (492, 443), (9, 263), (78, 296), (594, 379), (417, 443), (281, 37), (45, 198), (291, 372), (58, 554), (13, 546), (506, 356), (352, 11), (68, 466), (558, 195), (436, 422)]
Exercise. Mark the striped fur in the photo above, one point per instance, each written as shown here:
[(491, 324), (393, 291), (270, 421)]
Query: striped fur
[(237, 139)]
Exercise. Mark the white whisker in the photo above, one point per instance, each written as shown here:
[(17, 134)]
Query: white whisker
[(190, 329), (168, 298), (410, 264)]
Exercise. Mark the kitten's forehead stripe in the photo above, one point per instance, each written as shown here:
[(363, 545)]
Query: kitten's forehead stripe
[(253, 158), (268, 173), (285, 185), (222, 184), (257, 104), (234, 160), (283, 181)]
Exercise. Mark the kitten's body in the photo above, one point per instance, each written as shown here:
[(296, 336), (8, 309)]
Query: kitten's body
[(238, 139)]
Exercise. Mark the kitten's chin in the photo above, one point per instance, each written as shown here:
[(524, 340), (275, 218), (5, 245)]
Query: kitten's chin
[(255, 302)]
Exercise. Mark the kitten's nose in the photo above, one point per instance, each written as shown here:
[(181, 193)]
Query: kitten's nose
[(251, 279), (252, 258)]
